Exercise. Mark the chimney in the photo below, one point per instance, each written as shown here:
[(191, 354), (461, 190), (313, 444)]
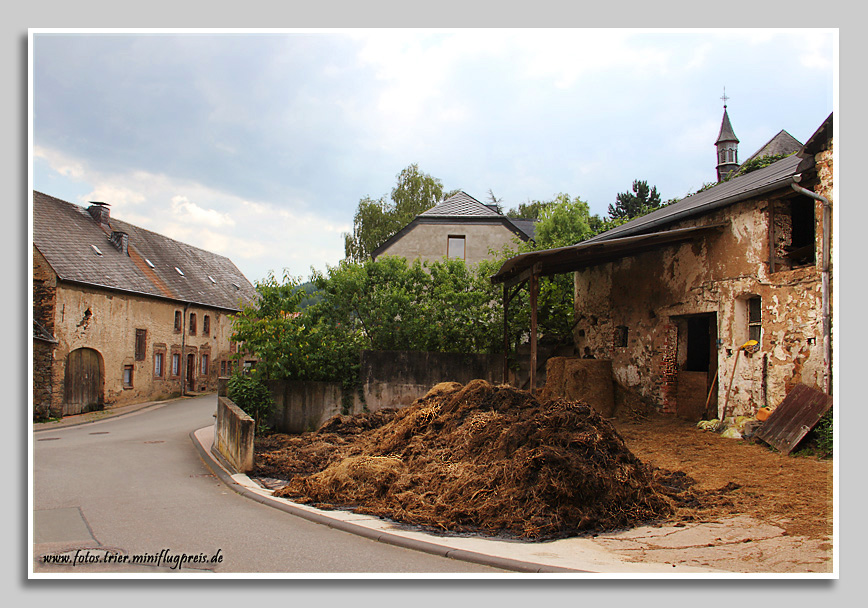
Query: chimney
[(99, 212), (121, 241)]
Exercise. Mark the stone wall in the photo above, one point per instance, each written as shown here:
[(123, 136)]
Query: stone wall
[(44, 296)]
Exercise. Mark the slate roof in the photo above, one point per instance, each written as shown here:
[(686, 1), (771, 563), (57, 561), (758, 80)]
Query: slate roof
[(69, 237), (782, 143), (460, 205), (726, 132)]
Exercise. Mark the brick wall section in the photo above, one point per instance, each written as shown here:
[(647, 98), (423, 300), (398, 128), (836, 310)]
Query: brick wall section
[(670, 369)]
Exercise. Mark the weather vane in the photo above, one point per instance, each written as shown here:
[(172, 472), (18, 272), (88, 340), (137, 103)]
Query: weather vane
[(724, 98)]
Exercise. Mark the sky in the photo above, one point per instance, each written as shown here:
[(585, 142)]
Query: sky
[(259, 146)]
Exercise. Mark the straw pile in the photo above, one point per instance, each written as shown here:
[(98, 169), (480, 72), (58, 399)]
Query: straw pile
[(475, 458)]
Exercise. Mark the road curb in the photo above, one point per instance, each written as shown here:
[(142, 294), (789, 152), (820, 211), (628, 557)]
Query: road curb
[(107, 415), (213, 462)]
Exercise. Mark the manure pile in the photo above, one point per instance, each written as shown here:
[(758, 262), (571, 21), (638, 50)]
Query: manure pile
[(474, 458)]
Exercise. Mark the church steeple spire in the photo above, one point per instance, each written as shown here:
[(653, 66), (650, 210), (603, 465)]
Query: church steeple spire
[(727, 145)]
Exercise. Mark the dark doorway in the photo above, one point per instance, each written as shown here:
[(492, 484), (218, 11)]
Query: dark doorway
[(698, 343), (190, 370), (83, 382), (697, 370)]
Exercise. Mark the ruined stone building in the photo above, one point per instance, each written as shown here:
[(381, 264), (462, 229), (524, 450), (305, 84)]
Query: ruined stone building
[(670, 298), (122, 314), (460, 227)]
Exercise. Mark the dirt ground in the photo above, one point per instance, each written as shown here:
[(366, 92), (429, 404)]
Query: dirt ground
[(791, 492)]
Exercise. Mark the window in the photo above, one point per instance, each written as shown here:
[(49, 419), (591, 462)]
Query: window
[(192, 323), (177, 320), (206, 325), (176, 364), (204, 368), (455, 247), (223, 368), (128, 376), (754, 319), (792, 229), (141, 343), (621, 336), (158, 365)]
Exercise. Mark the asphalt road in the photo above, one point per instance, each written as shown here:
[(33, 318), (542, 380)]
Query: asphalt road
[(136, 486)]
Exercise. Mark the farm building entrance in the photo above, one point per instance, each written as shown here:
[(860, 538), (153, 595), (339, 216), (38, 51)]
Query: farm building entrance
[(697, 366)]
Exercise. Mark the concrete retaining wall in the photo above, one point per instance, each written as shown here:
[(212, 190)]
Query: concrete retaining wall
[(398, 378), (303, 406), (389, 379), (233, 435)]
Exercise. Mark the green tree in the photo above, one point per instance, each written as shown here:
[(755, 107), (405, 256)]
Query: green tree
[(563, 221), (530, 210), (634, 204), (376, 220)]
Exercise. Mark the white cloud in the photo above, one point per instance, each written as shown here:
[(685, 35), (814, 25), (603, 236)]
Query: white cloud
[(59, 162), (189, 212)]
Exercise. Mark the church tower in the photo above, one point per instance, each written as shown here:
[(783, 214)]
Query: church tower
[(727, 145)]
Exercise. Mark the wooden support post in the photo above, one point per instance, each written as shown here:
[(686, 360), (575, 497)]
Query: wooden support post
[(534, 289), (505, 334)]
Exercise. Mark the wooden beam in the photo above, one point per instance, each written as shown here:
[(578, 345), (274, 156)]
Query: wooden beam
[(506, 299), (534, 291)]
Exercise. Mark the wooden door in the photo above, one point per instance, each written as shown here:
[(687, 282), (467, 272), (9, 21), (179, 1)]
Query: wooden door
[(83, 382), (191, 364)]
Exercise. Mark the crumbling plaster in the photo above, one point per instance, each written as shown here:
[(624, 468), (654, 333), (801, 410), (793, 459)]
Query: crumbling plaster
[(649, 292)]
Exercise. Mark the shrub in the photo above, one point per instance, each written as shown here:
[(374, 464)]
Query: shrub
[(251, 394)]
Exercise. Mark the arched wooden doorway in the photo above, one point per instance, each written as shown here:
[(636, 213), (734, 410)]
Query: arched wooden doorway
[(83, 382)]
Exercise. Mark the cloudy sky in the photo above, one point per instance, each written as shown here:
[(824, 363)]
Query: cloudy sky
[(259, 146)]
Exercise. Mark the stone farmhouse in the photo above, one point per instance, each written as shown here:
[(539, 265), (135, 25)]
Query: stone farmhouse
[(459, 227), (673, 298), (122, 314)]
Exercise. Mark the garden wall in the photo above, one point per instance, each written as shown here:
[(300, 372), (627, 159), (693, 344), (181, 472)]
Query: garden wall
[(388, 379)]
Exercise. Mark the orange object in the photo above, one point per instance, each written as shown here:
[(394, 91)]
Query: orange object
[(763, 413)]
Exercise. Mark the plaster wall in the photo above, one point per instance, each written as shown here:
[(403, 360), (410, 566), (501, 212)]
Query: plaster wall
[(650, 294), (429, 241)]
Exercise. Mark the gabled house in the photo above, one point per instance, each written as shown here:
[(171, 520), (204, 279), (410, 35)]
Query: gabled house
[(672, 298), (459, 227), (122, 314)]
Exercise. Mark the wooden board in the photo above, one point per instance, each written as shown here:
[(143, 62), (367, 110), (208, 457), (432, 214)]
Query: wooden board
[(691, 394), (794, 418)]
